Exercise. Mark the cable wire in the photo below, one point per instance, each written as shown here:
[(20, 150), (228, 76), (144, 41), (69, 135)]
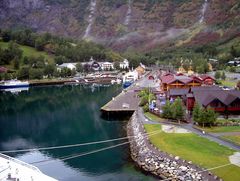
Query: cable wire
[(69, 146), (95, 151)]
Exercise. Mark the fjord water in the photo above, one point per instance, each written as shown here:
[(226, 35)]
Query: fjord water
[(52, 116)]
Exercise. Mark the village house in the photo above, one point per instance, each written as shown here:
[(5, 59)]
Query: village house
[(70, 66), (222, 101), (124, 64), (235, 62), (140, 70), (172, 81), (207, 79), (130, 76), (181, 81), (106, 65)]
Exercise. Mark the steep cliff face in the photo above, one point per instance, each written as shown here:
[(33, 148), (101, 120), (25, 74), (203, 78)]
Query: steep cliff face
[(127, 24)]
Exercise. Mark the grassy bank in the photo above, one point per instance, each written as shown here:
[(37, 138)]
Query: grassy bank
[(233, 138), (222, 129), (199, 150), (228, 83), (29, 51), (153, 117)]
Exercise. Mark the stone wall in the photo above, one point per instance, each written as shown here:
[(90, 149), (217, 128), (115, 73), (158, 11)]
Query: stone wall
[(160, 164)]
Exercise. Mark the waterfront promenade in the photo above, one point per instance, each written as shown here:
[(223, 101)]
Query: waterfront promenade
[(127, 100)]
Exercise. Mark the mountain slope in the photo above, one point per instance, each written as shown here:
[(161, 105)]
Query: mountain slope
[(128, 24)]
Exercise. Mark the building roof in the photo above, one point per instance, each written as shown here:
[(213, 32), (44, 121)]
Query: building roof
[(225, 96), (178, 92), (170, 78), (205, 76), (67, 64), (204, 88)]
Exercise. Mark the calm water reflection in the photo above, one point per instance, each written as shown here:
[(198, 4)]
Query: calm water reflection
[(50, 116)]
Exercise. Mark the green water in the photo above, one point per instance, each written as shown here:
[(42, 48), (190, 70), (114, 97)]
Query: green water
[(52, 116)]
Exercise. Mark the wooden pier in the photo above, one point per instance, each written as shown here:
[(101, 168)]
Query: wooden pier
[(126, 101)]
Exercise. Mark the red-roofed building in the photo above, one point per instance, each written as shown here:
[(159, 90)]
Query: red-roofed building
[(221, 101), (207, 79), (171, 81), (3, 70)]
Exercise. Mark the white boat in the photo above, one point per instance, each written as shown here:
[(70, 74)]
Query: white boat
[(13, 84), (14, 169), (16, 90)]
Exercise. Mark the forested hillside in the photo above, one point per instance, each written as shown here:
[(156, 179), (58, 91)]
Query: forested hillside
[(128, 24)]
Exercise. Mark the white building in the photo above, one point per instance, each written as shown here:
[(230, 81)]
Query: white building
[(107, 66), (130, 76), (67, 65), (124, 64)]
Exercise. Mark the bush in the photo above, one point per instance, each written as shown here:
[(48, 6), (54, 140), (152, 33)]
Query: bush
[(23, 73), (167, 110), (36, 73), (146, 108), (204, 116)]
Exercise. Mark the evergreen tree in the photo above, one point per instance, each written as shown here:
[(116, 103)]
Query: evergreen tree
[(203, 117), (211, 117), (167, 110), (196, 113), (178, 110)]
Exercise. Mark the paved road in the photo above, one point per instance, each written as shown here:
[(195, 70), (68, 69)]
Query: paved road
[(146, 83), (190, 127)]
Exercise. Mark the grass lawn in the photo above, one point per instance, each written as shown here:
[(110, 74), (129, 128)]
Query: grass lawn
[(233, 138), (228, 83), (199, 150), (153, 117), (29, 51), (222, 129)]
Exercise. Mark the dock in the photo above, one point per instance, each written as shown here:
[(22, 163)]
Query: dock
[(126, 101), (101, 80)]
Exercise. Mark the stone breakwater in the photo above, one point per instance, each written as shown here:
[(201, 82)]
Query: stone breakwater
[(161, 164)]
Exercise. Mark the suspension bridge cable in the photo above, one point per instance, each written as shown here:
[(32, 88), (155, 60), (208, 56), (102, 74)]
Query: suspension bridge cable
[(69, 146), (95, 151)]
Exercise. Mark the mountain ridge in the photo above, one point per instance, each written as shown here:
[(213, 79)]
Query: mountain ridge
[(127, 24)]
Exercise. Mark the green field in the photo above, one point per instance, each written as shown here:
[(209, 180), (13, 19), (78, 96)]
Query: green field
[(199, 150), (153, 117), (222, 129), (228, 83), (234, 138), (29, 51)]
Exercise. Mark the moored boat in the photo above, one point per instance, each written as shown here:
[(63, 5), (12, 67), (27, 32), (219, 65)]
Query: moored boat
[(127, 83), (13, 84)]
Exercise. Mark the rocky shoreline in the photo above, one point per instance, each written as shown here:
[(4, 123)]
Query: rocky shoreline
[(161, 164)]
